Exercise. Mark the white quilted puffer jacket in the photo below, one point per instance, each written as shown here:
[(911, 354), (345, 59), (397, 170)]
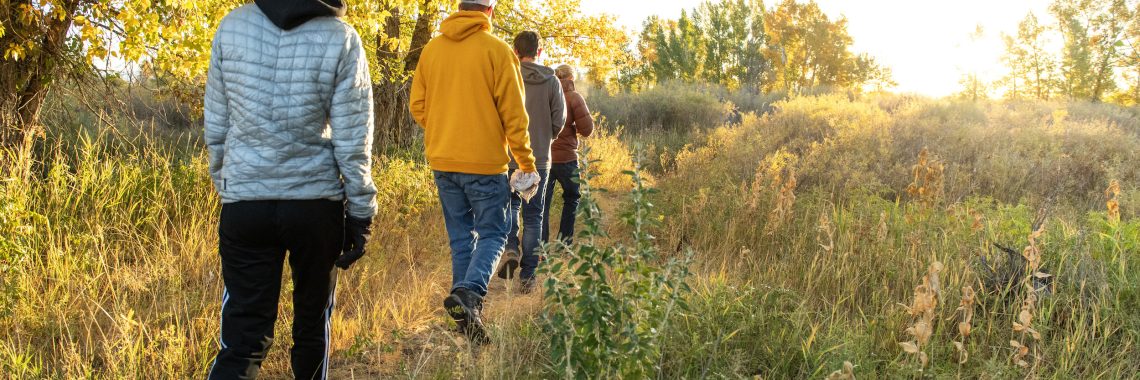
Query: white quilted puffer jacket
[(289, 112)]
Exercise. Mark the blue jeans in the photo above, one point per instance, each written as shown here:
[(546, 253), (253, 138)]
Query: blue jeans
[(564, 174), (475, 211), (533, 216)]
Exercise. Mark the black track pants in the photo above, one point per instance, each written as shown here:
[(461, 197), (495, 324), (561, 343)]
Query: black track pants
[(253, 240)]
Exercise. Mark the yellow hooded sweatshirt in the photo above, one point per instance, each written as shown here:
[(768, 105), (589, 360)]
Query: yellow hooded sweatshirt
[(467, 95)]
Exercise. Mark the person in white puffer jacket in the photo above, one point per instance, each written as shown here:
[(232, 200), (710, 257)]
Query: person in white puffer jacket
[(289, 122)]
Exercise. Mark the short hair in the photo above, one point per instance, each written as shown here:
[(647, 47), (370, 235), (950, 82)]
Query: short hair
[(473, 7), (526, 43), (564, 72)]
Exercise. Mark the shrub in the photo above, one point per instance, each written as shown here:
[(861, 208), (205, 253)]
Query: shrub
[(608, 305)]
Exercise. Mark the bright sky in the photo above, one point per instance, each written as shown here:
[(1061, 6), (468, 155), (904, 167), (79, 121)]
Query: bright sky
[(927, 43)]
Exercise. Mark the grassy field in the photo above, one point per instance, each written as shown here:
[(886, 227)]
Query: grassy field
[(826, 230)]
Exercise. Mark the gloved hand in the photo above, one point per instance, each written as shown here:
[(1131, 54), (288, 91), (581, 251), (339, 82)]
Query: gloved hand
[(356, 232), (525, 183)]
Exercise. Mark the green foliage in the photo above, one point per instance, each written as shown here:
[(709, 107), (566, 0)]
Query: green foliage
[(1098, 41), (17, 231), (1032, 67), (608, 305), (737, 43)]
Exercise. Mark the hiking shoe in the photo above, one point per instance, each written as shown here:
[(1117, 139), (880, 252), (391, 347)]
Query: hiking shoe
[(509, 265), (528, 285), (454, 308), (465, 307)]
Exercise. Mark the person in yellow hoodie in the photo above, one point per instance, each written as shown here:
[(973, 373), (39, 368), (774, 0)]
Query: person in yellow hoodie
[(467, 95)]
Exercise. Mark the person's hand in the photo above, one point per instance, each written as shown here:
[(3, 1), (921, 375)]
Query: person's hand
[(525, 183), (356, 232)]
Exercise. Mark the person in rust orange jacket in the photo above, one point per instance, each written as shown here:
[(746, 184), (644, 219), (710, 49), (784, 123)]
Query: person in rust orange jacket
[(564, 157)]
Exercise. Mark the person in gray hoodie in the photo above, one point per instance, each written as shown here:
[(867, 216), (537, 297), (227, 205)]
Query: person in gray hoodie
[(288, 126), (547, 110)]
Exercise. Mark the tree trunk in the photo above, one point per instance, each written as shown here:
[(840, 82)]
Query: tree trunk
[(395, 127), (26, 80)]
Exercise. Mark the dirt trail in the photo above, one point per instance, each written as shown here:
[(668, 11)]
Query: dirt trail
[(417, 352)]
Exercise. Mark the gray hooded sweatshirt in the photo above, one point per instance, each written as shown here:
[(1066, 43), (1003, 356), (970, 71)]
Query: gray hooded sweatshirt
[(547, 110)]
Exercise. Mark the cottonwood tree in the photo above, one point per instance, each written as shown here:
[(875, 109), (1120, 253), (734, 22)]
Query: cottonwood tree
[(810, 50), (1093, 32), (44, 40), (1130, 61), (717, 42), (740, 44), (1032, 67)]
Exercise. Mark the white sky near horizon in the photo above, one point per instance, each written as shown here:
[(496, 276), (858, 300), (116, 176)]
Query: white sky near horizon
[(926, 43)]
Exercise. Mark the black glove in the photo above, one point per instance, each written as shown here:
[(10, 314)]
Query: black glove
[(356, 232)]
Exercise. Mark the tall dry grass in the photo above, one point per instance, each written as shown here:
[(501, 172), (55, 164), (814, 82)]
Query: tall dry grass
[(831, 276), (111, 268), (807, 246)]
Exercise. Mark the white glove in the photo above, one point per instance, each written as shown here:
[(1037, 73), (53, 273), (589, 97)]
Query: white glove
[(526, 184)]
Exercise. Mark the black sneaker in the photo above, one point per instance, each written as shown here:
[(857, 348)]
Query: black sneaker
[(509, 265), (454, 309), (465, 307), (528, 285)]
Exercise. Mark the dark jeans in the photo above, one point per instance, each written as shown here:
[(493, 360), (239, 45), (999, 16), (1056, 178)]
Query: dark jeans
[(253, 240), (475, 211), (533, 217), (565, 174)]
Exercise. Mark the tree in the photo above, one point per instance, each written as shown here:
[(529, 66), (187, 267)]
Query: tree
[(1130, 61), (718, 42), (973, 89), (397, 54), (1031, 66), (1093, 32), (45, 39), (753, 65), (809, 50)]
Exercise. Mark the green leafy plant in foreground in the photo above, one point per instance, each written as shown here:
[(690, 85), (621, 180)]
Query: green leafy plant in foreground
[(608, 304)]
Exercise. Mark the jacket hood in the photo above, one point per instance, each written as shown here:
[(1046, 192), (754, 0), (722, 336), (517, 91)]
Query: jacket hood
[(289, 14), (463, 24), (534, 73), (567, 85)]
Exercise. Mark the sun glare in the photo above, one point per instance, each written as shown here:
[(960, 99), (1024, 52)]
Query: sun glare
[(929, 46)]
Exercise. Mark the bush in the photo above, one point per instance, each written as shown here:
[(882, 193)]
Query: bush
[(609, 305), (676, 105)]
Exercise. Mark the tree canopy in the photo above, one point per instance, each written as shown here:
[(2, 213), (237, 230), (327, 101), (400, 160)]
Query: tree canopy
[(738, 43), (168, 41)]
